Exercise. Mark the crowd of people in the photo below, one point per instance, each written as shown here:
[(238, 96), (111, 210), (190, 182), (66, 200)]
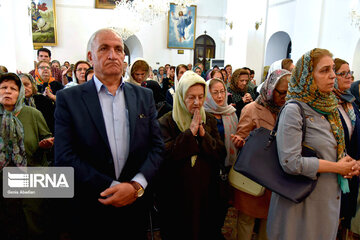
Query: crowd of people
[(141, 139)]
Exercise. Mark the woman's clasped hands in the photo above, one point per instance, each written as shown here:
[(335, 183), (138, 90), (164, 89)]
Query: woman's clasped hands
[(196, 125), (348, 167)]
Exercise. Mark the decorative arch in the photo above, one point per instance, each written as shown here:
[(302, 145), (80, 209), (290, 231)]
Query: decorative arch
[(204, 50), (278, 47)]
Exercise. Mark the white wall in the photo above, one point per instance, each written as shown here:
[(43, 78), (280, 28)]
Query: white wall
[(320, 23), (16, 40), (244, 44), (339, 36), (356, 62), (310, 24), (77, 20)]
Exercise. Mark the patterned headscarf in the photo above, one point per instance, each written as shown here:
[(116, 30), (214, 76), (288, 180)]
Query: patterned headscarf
[(30, 101), (345, 99), (12, 131), (267, 91), (302, 87), (229, 119), (180, 113)]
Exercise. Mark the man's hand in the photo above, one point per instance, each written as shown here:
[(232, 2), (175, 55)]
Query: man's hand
[(119, 195)]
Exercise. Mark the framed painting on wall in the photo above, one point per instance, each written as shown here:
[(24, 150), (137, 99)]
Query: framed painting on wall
[(105, 3), (43, 18), (181, 27)]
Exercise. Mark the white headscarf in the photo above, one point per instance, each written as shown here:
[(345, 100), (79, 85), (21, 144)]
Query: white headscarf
[(180, 113)]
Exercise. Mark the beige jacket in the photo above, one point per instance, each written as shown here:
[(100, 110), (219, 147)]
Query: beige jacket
[(253, 116)]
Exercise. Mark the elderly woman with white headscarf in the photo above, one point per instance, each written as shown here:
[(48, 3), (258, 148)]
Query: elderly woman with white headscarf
[(189, 182)]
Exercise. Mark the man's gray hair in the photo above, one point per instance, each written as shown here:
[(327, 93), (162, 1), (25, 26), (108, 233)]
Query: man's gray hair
[(93, 36)]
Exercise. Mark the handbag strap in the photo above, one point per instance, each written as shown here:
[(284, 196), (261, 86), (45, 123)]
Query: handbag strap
[(273, 132)]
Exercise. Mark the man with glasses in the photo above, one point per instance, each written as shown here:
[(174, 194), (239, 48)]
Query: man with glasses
[(44, 54)]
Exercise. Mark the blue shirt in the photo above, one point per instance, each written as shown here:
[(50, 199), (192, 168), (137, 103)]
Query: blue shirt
[(116, 118)]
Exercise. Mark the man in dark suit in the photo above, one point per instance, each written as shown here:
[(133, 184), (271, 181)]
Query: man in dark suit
[(106, 129)]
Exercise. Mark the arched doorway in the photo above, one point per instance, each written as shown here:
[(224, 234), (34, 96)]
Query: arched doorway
[(204, 50), (278, 47), (133, 48), (356, 62), (127, 54)]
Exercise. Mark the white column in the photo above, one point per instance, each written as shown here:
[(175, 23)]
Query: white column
[(16, 42)]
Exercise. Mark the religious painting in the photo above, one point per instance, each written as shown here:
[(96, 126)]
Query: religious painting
[(181, 27), (43, 18), (105, 3)]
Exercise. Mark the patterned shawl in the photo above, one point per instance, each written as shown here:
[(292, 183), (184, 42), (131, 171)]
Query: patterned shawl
[(266, 93), (302, 87), (229, 119), (237, 94), (180, 114), (345, 99), (12, 134)]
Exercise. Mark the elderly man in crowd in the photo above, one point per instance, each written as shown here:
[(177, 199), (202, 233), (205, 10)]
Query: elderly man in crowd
[(106, 129)]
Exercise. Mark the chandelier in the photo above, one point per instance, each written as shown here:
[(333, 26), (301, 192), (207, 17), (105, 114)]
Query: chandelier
[(184, 3), (129, 15), (124, 19), (354, 14), (355, 18), (151, 11)]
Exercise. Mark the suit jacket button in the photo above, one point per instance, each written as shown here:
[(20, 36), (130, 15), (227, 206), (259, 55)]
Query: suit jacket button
[(337, 197)]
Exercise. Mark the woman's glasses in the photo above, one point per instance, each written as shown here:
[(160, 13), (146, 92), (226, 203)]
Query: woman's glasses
[(44, 67), (216, 93), (345, 74), (281, 93)]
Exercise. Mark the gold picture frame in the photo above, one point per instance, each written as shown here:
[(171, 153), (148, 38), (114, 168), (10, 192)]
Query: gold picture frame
[(109, 4), (181, 27), (43, 18)]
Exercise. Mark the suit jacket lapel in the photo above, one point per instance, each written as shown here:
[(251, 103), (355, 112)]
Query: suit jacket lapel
[(92, 102), (130, 100)]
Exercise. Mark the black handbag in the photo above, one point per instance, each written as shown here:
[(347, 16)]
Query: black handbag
[(259, 161)]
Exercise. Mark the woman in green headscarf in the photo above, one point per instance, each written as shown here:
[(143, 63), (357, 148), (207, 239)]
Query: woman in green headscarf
[(23, 134), (189, 182), (317, 217)]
